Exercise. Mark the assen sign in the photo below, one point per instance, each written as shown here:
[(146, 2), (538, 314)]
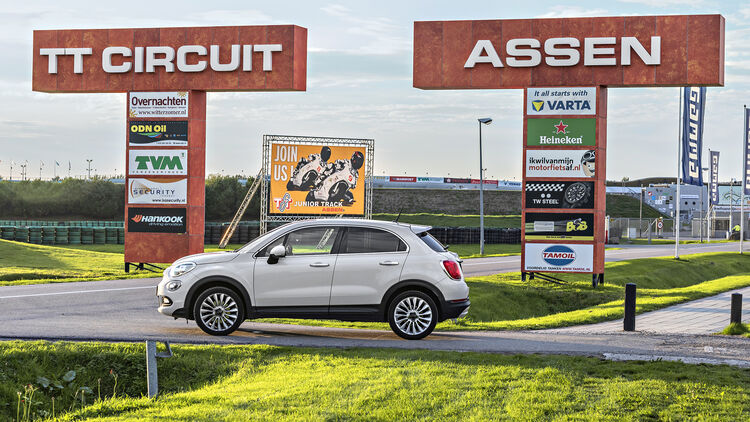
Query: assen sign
[(611, 51), (565, 67)]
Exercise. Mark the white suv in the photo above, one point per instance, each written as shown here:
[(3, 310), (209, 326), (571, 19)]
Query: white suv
[(344, 269)]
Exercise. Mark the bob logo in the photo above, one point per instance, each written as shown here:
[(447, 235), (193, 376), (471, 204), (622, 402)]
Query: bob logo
[(559, 255)]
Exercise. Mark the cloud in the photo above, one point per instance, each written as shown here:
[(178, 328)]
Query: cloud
[(370, 35), (665, 3), (563, 11)]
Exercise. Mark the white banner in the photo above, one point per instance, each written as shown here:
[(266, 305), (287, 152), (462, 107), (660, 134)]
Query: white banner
[(560, 101), (158, 104), (552, 163), (157, 191), (150, 162), (559, 257)]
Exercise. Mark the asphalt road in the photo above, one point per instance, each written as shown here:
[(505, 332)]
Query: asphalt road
[(125, 310)]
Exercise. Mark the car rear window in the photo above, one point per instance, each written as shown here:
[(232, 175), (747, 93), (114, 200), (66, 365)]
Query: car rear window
[(433, 243), (363, 240)]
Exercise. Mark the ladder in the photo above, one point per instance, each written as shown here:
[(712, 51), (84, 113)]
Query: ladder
[(241, 211)]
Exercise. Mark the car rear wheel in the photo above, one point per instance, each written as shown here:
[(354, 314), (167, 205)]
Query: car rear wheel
[(219, 311), (412, 315)]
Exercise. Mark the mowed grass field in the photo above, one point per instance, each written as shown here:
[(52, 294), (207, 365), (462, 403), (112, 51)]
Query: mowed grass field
[(242, 383)]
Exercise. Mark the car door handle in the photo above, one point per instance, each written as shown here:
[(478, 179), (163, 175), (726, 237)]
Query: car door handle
[(389, 263), (319, 264)]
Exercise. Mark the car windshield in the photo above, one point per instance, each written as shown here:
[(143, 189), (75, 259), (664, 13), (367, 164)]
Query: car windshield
[(258, 240), (433, 243)]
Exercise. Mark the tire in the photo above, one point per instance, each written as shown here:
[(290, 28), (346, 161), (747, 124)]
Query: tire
[(308, 180), (223, 311), (412, 315), (337, 192)]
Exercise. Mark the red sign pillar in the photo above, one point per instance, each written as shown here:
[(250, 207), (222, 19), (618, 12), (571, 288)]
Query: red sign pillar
[(168, 247), (600, 180)]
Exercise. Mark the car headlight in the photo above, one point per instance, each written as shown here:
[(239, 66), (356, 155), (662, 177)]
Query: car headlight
[(174, 285), (181, 269)]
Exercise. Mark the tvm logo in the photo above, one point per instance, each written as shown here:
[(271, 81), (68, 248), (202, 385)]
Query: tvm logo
[(159, 162)]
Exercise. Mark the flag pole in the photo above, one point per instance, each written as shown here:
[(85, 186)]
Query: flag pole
[(679, 168), (744, 177)]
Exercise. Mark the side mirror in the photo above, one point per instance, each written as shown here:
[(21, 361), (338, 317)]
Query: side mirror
[(278, 251)]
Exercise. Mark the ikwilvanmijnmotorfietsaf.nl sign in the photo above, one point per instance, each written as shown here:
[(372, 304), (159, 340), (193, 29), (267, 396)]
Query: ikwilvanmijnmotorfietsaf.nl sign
[(561, 132), (560, 163), (573, 258)]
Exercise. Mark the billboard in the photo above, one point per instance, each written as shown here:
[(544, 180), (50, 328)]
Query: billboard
[(157, 220), (142, 190), (317, 179), (550, 226), (560, 101), (746, 161), (571, 258), (714, 197), (554, 194), (213, 58), (149, 133), (612, 51), (561, 132), (158, 104), (560, 163), (153, 162), (694, 105)]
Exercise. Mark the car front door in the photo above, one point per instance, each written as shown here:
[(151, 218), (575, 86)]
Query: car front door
[(300, 281), (369, 262)]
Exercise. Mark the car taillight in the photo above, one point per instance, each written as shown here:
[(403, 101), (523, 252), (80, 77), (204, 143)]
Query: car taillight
[(453, 270)]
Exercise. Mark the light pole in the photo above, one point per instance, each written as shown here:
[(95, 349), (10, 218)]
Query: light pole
[(89, 169), (483, 121), (731, 205)]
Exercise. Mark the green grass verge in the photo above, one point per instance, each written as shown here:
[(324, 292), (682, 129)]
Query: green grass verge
[(736, 329), (670, 241), (448, 220), (278, 383), (503, 302)]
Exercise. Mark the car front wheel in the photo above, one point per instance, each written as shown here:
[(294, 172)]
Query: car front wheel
[(412, 315), (219, 311)]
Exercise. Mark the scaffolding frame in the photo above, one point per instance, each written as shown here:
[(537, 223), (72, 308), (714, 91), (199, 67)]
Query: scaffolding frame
[(270, 140)]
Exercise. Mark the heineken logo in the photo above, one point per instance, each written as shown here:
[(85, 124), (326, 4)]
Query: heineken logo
[(569, 131)]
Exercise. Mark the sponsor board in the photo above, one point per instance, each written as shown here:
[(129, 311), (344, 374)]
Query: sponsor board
[(561, 131), (142, 133), (549, 226), (560, 101), (554, 194), (158, 104), (157, 191), (560, 163), (694, 105), (318, 179), (714, 197), (157, 220), (403, 179), (456, 180), (558, 257), (150, 162)]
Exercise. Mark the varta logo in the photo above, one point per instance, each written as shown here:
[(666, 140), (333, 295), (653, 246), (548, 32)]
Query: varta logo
[(538, 105)]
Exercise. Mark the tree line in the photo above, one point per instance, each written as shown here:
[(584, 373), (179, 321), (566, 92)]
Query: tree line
[(100, 199)]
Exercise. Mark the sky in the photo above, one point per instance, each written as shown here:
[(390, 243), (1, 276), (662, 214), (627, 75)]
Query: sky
[(359, 84)]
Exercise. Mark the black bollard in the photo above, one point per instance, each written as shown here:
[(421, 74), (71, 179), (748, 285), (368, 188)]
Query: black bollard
[(735, 315), (629, 321)]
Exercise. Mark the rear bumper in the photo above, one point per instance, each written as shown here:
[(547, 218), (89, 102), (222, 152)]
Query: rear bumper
[(453, 310)]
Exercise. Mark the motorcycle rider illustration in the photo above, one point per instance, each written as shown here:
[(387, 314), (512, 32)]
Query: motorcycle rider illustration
[(336, 181), (308, 169), (588, 161)]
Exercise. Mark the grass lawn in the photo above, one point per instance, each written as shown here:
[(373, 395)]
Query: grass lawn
[(279, 383), (503, 302), (448, 220)]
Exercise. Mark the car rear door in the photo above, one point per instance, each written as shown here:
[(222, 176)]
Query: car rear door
[(369, 261), (303, 277)]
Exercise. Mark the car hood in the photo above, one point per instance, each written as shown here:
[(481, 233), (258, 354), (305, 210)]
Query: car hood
[(209, 258)]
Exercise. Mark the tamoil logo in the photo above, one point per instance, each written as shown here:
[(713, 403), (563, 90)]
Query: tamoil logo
[(559, 255)]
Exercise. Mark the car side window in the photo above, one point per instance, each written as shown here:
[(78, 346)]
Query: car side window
[(366, 240), (267, 250), (311, 241)]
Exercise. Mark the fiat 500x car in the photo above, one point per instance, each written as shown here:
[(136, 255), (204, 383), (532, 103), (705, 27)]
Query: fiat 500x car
[(343, 269)]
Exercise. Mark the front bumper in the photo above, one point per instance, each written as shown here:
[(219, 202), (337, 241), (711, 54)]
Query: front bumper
[(452, 310), (171, 303)]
